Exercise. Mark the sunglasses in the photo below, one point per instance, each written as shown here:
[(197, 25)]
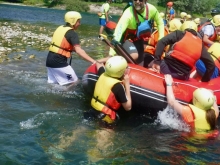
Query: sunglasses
[(139, 0)]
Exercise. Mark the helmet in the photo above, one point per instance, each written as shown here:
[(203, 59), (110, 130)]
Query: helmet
[(197, 21), (188, 16), (203, 98), (183, 14), (162, 14), (215, 12), (189, 25), (216, 20), (174, 24), (115, 66), (170, 4), (71, 17)]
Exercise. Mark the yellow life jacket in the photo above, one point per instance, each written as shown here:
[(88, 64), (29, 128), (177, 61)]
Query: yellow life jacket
[(200, 118), (105, 101), (215, 53), (59, 43)]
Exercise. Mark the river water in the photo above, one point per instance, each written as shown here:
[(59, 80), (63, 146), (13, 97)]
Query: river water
[(44, 124)]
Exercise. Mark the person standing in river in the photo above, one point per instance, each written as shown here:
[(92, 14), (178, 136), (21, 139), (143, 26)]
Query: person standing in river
[(65, 40), (103, 16)]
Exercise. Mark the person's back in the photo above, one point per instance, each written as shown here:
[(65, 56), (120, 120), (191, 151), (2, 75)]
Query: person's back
[(108, 101), (182, 56)]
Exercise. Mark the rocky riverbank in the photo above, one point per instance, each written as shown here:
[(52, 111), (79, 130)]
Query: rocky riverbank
[(94, 8), (15, 37)]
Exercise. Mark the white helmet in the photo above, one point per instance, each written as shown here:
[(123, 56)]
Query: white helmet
[(203, 98), (71, 17), (116, 66), (216, 20), (183, 14)]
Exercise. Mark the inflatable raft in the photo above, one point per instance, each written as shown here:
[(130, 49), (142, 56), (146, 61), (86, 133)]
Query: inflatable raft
[(148, 88)]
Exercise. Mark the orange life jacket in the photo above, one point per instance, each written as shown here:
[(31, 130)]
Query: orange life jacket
[(59, 43), (184, 50), (152, 42)]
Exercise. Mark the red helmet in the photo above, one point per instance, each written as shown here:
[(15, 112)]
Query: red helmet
[(170, 4)]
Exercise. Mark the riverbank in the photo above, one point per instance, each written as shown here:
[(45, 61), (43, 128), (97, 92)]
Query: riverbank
[(93, 8)]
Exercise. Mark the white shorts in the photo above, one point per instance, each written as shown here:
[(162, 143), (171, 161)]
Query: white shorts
[(62, 76)]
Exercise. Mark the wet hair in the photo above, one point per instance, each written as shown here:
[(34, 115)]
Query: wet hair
[(211, 118)]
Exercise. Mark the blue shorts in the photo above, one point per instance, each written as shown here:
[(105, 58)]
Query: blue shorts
[(102, 21), (200, 68)]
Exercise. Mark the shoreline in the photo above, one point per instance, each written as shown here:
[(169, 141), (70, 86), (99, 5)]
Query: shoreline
[(93, 8)]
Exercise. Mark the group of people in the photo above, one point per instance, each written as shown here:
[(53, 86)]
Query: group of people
[(132, 32)]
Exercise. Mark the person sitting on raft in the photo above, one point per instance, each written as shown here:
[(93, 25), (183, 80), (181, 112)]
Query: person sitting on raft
[(202, 115), (181, 58)]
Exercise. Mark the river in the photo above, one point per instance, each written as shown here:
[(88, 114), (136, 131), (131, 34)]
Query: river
[(44, 124)]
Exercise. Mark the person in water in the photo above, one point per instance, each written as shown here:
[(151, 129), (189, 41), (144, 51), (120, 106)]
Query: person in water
[(111, 91), (65, 40), (115, 79), (104, 16), (134, 28), (202, 114), (181, 58)]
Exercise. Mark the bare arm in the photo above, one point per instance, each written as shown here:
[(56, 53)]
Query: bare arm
[(170, 95), (128, 104), (215, 106), (83, 54), (206, 40)]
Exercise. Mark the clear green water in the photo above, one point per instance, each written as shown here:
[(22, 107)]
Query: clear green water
[(44, 124)]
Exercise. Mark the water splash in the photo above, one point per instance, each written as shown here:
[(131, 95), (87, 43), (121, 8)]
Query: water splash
[(37, 120), (169, 118)]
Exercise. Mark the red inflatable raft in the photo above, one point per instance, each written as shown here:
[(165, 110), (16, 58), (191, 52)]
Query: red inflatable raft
[(148, 88)]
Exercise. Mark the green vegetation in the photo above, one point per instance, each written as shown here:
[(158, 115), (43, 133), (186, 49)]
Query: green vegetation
[(194, 7)]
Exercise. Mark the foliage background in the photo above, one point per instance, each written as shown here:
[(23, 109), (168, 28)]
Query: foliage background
[(194, 7)]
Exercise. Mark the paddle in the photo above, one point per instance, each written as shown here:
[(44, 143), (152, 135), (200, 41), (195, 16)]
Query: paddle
[(119, 49)]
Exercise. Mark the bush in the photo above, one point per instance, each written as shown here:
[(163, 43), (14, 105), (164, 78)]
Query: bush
[(76, 5)]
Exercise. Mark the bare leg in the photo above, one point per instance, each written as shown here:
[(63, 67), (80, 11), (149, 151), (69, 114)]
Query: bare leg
[(193, 74), (101, 30)]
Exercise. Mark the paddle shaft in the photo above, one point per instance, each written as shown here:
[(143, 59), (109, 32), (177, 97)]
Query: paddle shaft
[(120, 50)]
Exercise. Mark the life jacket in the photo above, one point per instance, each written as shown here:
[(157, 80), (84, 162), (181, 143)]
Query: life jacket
[(184, 50), (105, 101), (135, 34), (152, 42), (215, 53), (110, 28), (212, 37), (200, 122), (59, 43)]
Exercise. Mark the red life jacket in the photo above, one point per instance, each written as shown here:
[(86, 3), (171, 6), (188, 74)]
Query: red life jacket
[(184, 50)]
